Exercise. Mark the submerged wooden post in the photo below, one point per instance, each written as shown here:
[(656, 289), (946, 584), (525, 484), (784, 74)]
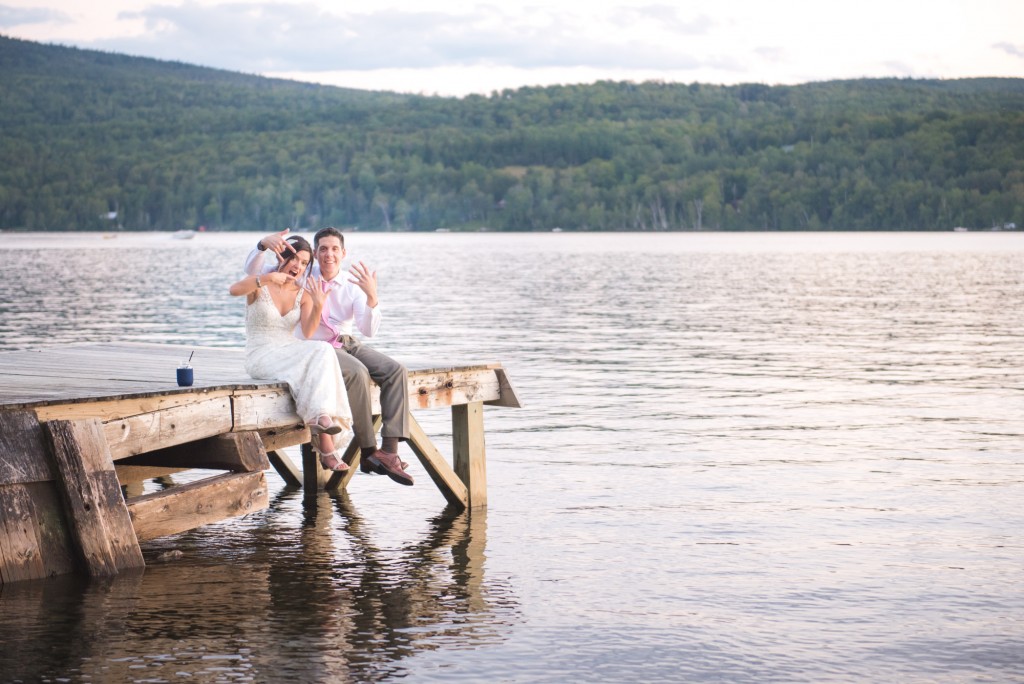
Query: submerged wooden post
[(313, 476), (469, 451), (97, 514), (21, 444)]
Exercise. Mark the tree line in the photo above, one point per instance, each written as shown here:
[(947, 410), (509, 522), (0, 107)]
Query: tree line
[(94, 140)]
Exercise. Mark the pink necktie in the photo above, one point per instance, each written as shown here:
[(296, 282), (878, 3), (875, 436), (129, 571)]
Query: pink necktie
[(323, 317)]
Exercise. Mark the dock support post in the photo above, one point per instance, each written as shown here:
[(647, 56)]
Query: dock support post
[(469, 452), (313, 476), (97, 514), (285, 468), (446, 479)]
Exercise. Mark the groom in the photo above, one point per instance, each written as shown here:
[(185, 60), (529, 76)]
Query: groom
[(352, 303)]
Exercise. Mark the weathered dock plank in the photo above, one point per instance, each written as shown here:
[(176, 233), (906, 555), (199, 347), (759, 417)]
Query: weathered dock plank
[(110, 371), (168, 427)]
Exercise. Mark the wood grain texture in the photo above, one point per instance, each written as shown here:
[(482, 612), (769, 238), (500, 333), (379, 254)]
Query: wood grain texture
[(470, 454), (198, 503), (239, 452), (168, 427), (444, 477), (20, 553), (286, 468), (22, 449), (96, 512)]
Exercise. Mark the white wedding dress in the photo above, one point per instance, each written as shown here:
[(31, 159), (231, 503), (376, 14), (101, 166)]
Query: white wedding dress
[(310, 367)]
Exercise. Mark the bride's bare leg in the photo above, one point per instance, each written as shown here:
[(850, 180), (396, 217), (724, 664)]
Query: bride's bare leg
[(326, 443)]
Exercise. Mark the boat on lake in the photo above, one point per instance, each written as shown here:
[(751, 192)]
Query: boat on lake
[(183, 234)]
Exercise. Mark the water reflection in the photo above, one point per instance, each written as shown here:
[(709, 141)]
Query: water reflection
[(743, 458), (295, 605)]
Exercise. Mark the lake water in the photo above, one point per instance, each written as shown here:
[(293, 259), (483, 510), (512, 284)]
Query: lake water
[(741, 458)]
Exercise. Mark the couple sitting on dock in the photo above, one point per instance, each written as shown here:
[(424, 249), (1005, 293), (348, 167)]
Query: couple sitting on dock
[(300, 314)]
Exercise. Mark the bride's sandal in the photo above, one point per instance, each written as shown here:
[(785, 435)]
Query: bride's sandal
[(318, 428), (332, 461), (329, 460)]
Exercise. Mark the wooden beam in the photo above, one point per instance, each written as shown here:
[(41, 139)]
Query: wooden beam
[(239, 452), (198, 503), (168, 427), (32, 527), (313, 476), (452, 488), (34, 540), (275, 439), (286, 468), (20, 556), (98, 519), (117, 409), (267, 407), (448, 387), (470, 455), (22, 449), (507, 393), (127, 475), (353, 455), (51, 527)]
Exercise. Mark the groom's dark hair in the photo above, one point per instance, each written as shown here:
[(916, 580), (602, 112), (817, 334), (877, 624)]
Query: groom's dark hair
[(330, 231)]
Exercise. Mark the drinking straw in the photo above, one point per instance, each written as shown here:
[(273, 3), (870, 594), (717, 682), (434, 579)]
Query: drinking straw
[(190, 357)]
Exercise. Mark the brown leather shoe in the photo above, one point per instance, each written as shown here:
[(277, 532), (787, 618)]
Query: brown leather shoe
[(387, 464), (378, 468)]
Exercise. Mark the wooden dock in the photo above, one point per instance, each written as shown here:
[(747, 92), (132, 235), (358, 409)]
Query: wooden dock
[(83, 426)]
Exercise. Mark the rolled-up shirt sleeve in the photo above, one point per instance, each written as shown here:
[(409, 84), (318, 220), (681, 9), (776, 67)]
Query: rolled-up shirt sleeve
[(367, 319)]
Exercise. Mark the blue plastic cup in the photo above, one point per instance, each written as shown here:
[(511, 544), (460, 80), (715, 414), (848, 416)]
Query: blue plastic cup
[(185, 377)]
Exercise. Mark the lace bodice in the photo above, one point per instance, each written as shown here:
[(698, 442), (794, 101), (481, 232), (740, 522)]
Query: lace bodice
[(265, 325)]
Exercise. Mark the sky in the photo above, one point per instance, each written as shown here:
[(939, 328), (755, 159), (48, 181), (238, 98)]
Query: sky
[(454, 48)]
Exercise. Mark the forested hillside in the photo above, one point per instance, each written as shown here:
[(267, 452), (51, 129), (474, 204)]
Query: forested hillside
[(170, 146)]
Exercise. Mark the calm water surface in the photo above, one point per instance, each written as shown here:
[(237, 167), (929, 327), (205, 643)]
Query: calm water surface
[(742, 458)]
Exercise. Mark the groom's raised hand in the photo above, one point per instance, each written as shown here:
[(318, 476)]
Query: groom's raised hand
[(366, 280)]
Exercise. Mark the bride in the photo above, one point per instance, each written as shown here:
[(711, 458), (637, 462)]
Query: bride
[(275, 304)]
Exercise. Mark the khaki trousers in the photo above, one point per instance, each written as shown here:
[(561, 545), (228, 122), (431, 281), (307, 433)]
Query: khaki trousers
[(359, 365)]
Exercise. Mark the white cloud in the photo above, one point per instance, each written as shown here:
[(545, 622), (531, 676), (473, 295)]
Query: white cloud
[(1011, 49), (446, 45), (19, 16), (306, 37)]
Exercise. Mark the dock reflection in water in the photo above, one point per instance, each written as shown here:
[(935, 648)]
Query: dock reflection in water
[(308, 597)]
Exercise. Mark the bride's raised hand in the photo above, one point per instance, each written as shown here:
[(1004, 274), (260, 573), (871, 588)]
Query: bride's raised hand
[(314, 287)]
